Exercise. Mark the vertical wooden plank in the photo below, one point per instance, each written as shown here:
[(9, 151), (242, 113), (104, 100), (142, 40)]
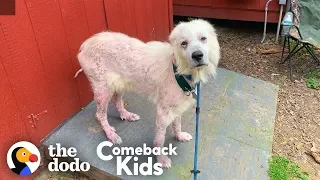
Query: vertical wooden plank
[(77, 30), (161, 13), (12, 125), (166, 21), (170, 7), (124, 9), (96, 20), (150, 18), (129, 19), (114, 15), (52, 42), (22, 63), (96, 16), (144, 21)]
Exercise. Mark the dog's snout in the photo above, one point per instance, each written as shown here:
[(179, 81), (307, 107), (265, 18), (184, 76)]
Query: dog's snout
[(197, 55)]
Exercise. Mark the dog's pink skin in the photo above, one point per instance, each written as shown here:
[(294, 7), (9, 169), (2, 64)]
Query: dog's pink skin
[(164, 160), (102, 97), (142, 67), (124, 114), (176, 127)]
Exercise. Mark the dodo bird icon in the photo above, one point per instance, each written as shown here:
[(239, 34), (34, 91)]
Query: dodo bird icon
[(20, 156), (23, 159)]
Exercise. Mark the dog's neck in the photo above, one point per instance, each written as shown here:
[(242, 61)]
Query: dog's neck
[(185, 81)]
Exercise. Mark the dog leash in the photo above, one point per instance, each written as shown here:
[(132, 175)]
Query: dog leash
[(181, 80), (195, 170)]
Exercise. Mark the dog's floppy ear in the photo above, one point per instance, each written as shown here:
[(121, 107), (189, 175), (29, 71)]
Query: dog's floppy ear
[(173, 36), (175, 33)]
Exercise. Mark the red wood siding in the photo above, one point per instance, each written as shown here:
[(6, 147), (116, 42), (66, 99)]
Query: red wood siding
[(38, 59), (37, 63), (144, 19), (248, 10), (9, 111)]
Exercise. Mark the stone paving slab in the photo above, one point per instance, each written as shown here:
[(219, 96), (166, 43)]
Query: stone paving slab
[(236, 130)]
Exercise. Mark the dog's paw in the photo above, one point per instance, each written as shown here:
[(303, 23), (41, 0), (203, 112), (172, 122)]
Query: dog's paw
[(129, 116), (116, 139), (183, 136), (164, 160), (113, 137), (113, 129)]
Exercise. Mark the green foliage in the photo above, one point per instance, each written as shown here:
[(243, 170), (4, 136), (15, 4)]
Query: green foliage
[(313, 80), (191, 18), (313, 83), (281, 168)]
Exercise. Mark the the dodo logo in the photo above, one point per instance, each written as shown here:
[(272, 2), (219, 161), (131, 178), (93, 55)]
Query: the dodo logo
[(23, 158)]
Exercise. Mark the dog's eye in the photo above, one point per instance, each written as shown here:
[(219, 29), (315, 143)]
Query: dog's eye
[(203, 38), (184, 43)]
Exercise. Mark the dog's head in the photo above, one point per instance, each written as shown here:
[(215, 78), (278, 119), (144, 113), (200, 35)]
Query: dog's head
[(196, 48)]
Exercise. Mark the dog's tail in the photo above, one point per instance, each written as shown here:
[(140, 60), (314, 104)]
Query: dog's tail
[(78, 72)]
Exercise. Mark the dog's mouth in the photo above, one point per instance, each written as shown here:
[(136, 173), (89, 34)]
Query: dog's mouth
[(199, 65)]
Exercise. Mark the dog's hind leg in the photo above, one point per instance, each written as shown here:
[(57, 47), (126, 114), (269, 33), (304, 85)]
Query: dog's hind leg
[(181, 136), (124, 114), (102, 96)]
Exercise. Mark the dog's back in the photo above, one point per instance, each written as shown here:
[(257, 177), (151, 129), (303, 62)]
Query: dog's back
[(124, 62)]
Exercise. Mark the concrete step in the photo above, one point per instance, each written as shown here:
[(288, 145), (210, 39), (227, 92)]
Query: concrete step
[(236, 131)]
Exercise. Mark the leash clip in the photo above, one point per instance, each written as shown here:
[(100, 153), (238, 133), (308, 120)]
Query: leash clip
[(194, 93), (188, 93)]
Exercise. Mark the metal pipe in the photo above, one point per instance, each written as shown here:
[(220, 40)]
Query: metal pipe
[(265, 21), (279, 22)]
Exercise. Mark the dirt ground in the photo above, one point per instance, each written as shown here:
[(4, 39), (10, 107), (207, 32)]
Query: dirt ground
[(297, 126)]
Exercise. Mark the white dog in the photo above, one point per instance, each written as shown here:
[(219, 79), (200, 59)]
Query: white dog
[(115, 63)]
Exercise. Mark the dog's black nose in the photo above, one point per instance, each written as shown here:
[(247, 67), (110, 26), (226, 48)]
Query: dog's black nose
[(197, 55)]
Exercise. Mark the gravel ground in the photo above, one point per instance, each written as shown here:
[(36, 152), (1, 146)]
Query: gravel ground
[(297, 127)]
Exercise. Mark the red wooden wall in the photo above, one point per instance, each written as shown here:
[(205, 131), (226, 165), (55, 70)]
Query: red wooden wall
[(248, 10), (145, 19), (38, 48)]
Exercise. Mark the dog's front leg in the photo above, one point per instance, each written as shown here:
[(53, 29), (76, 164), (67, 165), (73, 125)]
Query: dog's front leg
[(162, 123), (181, 136)]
